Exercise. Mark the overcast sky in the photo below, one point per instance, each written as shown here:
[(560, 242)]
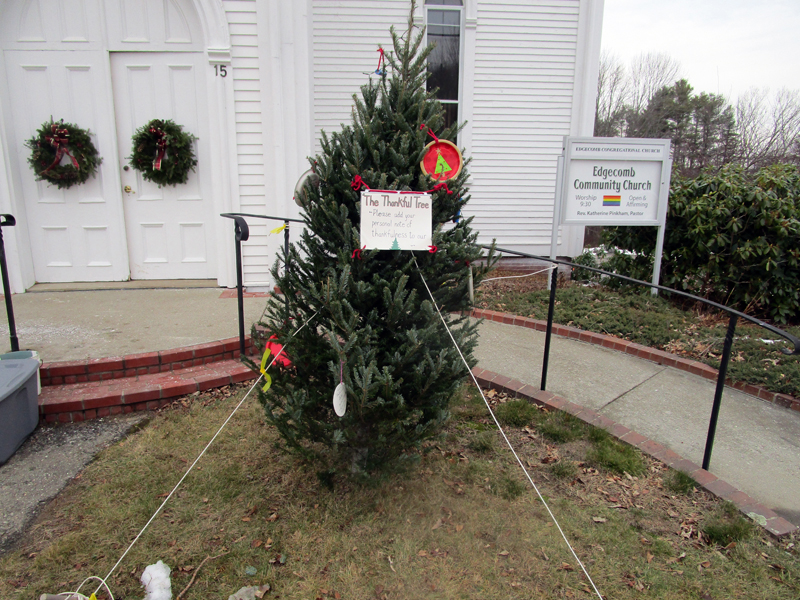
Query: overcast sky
[(723, 46)]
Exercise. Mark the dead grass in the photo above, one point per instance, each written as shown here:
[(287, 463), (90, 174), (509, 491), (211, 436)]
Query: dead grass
[(463, 525)]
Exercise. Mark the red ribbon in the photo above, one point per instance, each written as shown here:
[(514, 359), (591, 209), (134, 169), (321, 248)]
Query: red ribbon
[(161, 144), (430, 133), (432, 249), (381, 59), (439, 186), (358, 183), (59, 141), (357, 252)]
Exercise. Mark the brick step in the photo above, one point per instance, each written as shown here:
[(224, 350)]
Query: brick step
[(147, 363), (73, 402)]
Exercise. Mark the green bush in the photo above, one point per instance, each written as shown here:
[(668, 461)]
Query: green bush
[(730, 237)]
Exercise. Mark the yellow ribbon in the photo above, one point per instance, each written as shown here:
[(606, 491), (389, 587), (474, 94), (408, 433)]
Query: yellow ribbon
[(279, 229), (266, 375)]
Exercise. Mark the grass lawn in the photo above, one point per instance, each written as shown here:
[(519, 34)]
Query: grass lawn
[(463, 524), (637, 316)]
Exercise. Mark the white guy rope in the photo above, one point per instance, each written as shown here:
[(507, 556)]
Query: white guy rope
[(519, 276), (496, 422), (177, 485), (77, 596)]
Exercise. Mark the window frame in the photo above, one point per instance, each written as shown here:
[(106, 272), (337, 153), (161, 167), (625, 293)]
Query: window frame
[(460, 9)]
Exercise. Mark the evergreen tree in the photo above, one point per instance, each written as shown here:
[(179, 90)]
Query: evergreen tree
[(375, 327)]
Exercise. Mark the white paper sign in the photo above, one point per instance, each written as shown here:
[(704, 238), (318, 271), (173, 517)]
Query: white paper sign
[(395, 220)]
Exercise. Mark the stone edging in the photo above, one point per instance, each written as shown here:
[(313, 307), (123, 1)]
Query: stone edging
[(657, 356), (767, 518), (146, 363)]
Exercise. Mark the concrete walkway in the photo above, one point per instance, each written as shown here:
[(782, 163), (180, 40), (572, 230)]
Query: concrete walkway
[(757, 444)]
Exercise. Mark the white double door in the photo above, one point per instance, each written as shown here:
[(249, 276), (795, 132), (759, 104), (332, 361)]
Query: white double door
[(169, 228), (97, 231)]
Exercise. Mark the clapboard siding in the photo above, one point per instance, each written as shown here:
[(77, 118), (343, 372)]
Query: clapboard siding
[(246, 76), (525, 56), (346, 37)]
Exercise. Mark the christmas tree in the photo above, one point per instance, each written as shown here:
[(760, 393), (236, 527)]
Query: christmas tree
[(375, 326)]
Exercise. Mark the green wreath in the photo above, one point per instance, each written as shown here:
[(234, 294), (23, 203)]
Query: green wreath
[(55, 140), (163, 152)]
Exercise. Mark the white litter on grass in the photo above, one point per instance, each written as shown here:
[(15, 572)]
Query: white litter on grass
[(155, 580)]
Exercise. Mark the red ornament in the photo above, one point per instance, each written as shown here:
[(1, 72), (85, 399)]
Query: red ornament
[(442, 160)]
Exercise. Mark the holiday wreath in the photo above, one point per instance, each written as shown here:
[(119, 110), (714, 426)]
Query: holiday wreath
[(163, 152), (55, 140)]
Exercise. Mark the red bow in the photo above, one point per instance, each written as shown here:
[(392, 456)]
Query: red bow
[(161, 147), (357, 252), (432, 249), (439, 186), (358, 183), (59, 141)]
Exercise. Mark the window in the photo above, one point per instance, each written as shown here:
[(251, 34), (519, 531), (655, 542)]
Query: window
[(443, 19)]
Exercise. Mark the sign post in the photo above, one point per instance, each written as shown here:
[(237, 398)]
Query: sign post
[(615, 181)]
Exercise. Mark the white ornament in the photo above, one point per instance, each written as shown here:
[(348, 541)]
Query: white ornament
[(300, 194), (340, 400)]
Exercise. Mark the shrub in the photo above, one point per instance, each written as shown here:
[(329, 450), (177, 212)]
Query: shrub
[(730, 237)]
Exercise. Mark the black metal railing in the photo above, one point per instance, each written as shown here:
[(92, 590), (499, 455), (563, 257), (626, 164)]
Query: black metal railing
[(242, 233), (735, 315)]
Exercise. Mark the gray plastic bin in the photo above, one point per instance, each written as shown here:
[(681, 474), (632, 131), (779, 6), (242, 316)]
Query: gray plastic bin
[(19, 403)]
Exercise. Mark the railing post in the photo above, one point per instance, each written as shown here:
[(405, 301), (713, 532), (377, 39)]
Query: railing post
[(549, 333), (286, 262), (723, 370), (8, 221), (242, 234)]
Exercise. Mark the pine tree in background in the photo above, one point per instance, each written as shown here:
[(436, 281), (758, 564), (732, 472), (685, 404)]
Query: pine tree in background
[(375, 326)]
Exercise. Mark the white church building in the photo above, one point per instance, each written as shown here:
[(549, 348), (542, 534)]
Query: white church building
[(256, 81)]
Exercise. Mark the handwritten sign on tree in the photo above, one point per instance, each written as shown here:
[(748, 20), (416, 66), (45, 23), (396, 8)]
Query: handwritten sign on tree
[(392, 220)]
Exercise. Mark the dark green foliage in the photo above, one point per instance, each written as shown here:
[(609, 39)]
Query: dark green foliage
[(179, 158), (679, 482), (727, 525), (587, 259), (44, 152), (702, 127), (517, 413), (374, 321), (730, 237)]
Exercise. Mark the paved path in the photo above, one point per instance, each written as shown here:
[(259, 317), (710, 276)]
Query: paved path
[(757, 444)]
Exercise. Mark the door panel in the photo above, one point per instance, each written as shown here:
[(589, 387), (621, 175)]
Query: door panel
[(169, 228), (77, 233)]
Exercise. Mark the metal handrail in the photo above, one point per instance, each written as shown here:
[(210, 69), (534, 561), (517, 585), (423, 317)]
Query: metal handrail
[(242, 233), (726, 351)]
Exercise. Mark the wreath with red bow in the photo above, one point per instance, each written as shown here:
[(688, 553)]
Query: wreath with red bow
[(55, 141), (163, 152)]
